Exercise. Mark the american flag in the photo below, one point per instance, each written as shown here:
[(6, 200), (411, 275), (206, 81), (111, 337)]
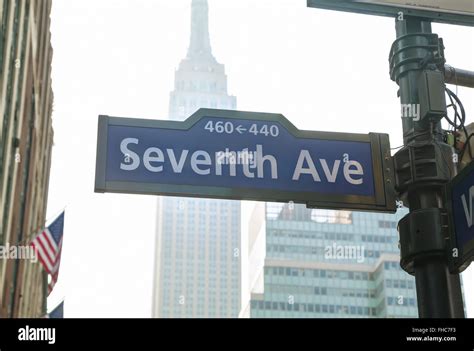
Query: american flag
[(58, 312), (48, 245)]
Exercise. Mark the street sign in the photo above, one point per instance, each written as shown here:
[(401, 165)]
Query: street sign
[(443, 11), (245, 156), (461, 202)]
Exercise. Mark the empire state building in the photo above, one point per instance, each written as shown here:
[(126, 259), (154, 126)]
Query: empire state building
[(197, 260)]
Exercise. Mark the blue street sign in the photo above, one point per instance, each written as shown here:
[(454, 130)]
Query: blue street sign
[(442, 11), (461, 199), (243, 155)]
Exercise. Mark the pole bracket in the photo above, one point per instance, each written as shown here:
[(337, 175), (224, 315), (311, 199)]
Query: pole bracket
[(415, 52), (423, 233), (423, 164)]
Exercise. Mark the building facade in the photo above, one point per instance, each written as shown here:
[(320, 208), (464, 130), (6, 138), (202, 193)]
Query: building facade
[(198, 244), (253, 238), (332, 264), (26, 139)]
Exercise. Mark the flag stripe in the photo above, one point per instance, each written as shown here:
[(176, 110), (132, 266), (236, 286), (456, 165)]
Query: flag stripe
[(49, 238), (43, 258), (48, 246), (47, 249)]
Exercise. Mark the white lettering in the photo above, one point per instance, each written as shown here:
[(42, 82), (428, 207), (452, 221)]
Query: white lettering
[(348, 172), (305, 156), (195, 162), (254, 164), (177, 166), (260, 160), (148, 158), (469, 213), (331, 176), (129, 154), (37, 334)]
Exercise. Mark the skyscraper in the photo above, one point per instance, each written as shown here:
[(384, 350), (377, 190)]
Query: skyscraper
[(197, 262), (332, 264), (200, 81), (26, 139)]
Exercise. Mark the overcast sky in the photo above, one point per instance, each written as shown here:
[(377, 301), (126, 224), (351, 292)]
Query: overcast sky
[(323, 70)]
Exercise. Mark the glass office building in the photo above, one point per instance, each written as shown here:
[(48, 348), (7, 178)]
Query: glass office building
[(332, 264)]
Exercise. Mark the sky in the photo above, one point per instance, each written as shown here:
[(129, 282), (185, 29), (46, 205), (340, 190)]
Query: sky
[(323, 70)]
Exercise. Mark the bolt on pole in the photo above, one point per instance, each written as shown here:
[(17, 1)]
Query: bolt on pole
[(422, 167)]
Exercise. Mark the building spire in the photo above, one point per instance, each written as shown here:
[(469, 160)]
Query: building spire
[(200, 44)]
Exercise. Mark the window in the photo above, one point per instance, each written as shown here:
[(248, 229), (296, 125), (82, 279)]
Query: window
[(387, 224)]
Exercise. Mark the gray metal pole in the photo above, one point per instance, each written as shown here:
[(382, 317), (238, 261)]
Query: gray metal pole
[(458, 76), (438, 291)]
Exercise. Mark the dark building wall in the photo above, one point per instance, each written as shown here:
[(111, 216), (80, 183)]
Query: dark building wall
[(26, 138)]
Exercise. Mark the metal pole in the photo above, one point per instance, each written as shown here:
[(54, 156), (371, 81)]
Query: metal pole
[(458, 76), (422, 171)]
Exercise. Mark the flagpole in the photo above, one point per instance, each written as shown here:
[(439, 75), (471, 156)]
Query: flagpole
[(44, 308)]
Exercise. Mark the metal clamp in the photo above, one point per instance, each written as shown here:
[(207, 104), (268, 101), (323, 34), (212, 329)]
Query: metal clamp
[(414, 52), (423, 233), (423, 163)]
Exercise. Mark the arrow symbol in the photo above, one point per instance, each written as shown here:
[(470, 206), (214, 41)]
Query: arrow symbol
[(241, 129)]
